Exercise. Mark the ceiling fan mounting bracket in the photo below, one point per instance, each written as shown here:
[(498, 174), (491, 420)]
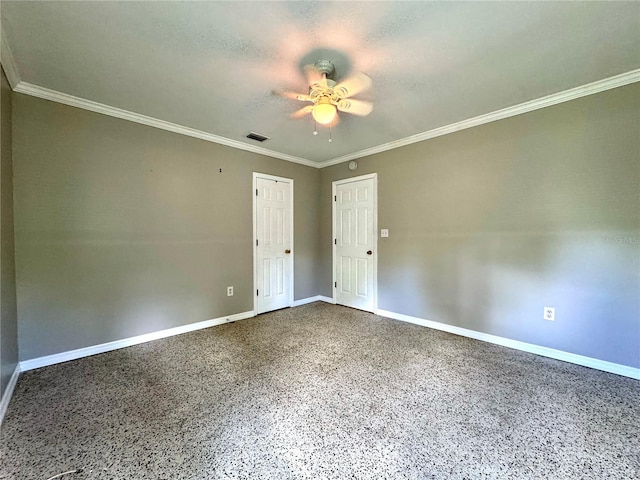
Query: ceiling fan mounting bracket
[(326, 67)]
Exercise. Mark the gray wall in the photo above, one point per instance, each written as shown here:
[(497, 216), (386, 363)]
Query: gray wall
[(123, 229), (491, 224), (8, 316)]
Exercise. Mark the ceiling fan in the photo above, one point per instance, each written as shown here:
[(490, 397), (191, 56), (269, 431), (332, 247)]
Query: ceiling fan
[(327, 96)]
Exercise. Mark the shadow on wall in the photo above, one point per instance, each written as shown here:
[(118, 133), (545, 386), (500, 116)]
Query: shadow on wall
[(500, 283), (490, 225)]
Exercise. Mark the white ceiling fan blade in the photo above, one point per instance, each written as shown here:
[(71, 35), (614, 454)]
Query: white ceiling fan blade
[(302, 112), (292, 95), (353, 85), (314, 76), (357, 107)]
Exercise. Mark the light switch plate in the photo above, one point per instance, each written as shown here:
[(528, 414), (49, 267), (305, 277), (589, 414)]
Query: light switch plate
[(384, 232)]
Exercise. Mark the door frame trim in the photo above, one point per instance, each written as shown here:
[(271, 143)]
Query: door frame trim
[(374, 177), (257, 175)]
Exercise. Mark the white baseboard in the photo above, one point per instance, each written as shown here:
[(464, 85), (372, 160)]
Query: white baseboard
[(304, 301), (610, 367), (317, 298), (25, 365), (322, 298), (6, 397), (127, 342)]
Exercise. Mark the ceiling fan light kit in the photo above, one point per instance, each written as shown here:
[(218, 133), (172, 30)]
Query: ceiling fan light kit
[(324, 112), (329, 97)]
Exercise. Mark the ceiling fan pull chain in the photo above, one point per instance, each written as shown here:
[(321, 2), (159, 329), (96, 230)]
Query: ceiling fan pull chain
[(315, 127), (330, 139)]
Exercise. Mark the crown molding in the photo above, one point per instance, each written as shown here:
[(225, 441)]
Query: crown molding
[(8, 62), (55, 96), (553, 99)]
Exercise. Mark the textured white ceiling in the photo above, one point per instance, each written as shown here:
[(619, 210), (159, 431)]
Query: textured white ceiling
[(212, 66)]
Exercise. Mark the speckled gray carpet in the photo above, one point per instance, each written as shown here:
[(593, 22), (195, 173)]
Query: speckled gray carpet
[(321, 391)]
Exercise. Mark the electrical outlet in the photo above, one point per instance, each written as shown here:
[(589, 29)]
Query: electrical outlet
[(384, 232), (229, 291), (550, 314)]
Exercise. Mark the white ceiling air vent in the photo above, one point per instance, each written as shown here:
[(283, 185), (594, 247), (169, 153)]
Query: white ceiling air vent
[(257, 137)]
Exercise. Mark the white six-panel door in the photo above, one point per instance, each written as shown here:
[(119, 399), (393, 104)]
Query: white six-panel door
[(354, 227), (273, 242)]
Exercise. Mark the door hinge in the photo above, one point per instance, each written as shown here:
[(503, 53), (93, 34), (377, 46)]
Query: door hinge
[(335, 198), (256, 242), (256, 192), (335, 241), (256, 293), (335, 284)]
